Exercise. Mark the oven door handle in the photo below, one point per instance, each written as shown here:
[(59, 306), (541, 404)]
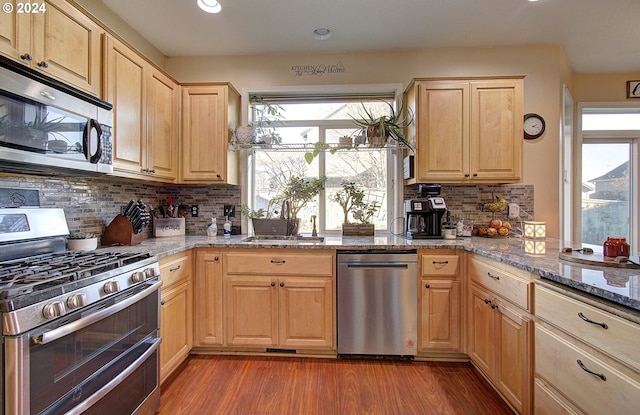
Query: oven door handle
[(74, 326), (113, 383)]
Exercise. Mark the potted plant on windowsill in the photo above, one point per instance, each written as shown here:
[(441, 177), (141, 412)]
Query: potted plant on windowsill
[(380, 129), (352, 201), (262, 130)]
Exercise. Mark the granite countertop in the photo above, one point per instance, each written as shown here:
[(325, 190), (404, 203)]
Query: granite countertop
[(617, 285)]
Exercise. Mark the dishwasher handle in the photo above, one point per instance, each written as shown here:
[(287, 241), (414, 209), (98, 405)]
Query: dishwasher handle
[(378, 266)]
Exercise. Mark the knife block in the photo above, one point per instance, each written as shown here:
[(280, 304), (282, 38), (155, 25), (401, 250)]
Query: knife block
[(120, 232)]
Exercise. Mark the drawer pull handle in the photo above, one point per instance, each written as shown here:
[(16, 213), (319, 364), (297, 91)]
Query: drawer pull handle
[(175, 268), (583, 367), (440, 262), (495, 277), (588, 320), (278, 261)]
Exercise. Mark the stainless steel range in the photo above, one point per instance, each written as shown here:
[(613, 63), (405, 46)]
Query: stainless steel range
[(80, 329)]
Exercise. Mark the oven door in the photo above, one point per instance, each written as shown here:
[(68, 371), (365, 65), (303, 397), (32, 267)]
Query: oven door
[(88, 359)]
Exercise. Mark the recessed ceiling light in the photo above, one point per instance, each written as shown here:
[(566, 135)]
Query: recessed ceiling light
[(322, 33), (210, 6)]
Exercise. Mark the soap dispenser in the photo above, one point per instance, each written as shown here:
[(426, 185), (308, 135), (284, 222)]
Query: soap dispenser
[(227, 227), (212, 229)]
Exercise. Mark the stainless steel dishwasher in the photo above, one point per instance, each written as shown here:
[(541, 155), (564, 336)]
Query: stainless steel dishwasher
[(377, 303)]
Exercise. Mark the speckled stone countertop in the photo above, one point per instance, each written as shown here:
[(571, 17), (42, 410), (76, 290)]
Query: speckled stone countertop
[(618, 285)]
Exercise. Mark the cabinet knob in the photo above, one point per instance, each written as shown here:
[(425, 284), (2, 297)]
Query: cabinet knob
[(282, 284), (273, 284), (475, 174), (487, 301), (26, 57), (161, 302), (151, 170), (216, 259), (466, 175), (427, 286), (43, 64), (218, 176)]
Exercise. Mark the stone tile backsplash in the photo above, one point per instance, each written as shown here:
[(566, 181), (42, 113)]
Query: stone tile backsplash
[(90, 204)]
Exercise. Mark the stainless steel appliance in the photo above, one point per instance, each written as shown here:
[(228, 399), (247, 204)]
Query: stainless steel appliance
[(48, 127), (424, 216), (377, 303), (79, 329)]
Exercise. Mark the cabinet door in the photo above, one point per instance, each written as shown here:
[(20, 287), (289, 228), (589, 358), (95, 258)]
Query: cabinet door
[(208, 299), (306, 313), (496, 130), (482, 329), (176, 318), (251, 311), (163, 101), (66, 45), (514, 372), (126, 73), (440, 328), (15, 35), (442, 130), (205, 133)]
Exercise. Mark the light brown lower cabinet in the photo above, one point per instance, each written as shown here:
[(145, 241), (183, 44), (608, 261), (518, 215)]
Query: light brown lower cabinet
[(273, 301), (208, 299), (176, 312)]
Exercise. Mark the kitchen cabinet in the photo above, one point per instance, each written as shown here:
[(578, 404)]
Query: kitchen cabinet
[(208, 299), (281, 299), (176, 311), (500, 329), (210, 112), (146, 115), (59, 41), (466, 130), (586, 357), (439, 319)]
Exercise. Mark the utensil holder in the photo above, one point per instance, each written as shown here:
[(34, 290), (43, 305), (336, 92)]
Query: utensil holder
[(120, 232)]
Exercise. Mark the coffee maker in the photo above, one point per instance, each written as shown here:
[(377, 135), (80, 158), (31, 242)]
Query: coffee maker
[(424, 216)]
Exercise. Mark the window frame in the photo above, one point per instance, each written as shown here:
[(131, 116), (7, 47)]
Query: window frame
[(395, 181), (631, 137)]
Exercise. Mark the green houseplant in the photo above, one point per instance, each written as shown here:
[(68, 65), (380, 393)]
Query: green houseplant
[(262, 130), (352, 201), (379, 129)]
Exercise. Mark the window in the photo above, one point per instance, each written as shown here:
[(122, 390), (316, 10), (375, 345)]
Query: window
[(609, 173), (310, 120)]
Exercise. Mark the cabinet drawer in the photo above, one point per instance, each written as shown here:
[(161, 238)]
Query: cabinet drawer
[(174, 268), (619, 338), (279, 262), (504, 280), (557, 362), (440, 265)]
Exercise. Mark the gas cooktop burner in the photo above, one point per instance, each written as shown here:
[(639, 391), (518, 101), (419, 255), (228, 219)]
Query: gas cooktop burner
[(40, 272)]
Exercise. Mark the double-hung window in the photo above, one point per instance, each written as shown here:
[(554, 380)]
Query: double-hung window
[(327, 120)]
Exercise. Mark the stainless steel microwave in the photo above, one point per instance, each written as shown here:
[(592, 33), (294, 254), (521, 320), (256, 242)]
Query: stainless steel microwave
[(51, 128)]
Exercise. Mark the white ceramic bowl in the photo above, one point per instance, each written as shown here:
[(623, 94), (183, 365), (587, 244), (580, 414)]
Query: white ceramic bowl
[(82, 244)]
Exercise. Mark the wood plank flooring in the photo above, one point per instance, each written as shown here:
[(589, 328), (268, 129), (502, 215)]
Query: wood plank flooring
[(250, 385)]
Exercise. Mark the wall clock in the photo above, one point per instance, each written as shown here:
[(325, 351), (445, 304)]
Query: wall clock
[(533, 126)]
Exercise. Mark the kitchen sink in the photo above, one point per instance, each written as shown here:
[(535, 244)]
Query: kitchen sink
[(280, 239)]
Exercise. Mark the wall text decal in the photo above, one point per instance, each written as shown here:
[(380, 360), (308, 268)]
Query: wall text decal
[(319, 69)]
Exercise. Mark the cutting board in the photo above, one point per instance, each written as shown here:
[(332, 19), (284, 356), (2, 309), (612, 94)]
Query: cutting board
[(597, 259)]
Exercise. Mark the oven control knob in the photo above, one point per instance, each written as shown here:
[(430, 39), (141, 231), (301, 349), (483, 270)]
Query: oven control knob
[(149, 272), (53, 310), (111, 287), (138, 276), (76, 300)]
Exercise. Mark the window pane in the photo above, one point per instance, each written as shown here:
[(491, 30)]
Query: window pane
[(612, 122), (605, 191)]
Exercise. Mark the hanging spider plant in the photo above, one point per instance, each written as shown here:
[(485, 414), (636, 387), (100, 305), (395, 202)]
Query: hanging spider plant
[(390, 126)]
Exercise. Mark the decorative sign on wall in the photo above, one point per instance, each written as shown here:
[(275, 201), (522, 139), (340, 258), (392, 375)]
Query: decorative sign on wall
[(319, 69), (633, 89)]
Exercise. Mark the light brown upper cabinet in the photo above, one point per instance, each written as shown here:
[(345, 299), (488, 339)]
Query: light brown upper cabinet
[(467, 130), (209, 114), (59, 41), (146, 115)]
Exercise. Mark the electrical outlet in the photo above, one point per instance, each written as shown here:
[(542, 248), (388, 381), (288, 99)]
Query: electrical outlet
[(230, 211), (514, 210), (194, 211)]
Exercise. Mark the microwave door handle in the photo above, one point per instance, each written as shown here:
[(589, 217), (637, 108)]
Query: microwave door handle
[(92, 125), (55, 334)]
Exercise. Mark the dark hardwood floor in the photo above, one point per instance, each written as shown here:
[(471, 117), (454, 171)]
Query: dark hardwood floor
[(208, 385)]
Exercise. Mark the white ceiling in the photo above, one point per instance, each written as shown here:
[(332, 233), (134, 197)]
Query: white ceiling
[(596, 35)]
